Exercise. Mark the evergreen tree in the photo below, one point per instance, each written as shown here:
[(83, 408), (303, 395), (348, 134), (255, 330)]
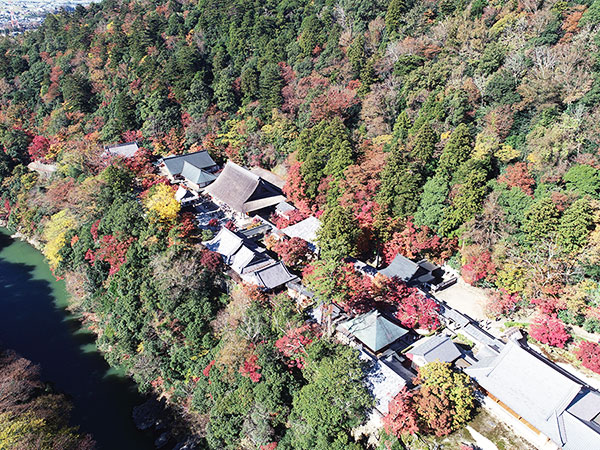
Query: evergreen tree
[(400, 185), (333, 401), (423, 148), (198, 97), (394, 14), (356, 54), (159, 113), (402, 127), (341, 156), (583, 179), (456, 151), (466, 204), (311, 34), (368, 76), (541, 219), (338, 234), (223, 91), (270, 87), (77, 93), (574, 226), (433, 202), (325, 149), (249, 83), (125, 112)]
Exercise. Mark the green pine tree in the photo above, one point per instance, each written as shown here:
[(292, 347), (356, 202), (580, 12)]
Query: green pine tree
[(574, 226), (541, 219), (456, 152), (394, 14), (338, 234)]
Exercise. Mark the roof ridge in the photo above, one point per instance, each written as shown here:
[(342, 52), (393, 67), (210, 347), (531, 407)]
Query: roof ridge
[(243, 169), (184, 154)]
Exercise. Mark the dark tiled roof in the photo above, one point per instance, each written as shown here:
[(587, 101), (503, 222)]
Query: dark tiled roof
[(201, 160), (374, 330), (438, 347), (196, 175), (273, 276), (400, 267)]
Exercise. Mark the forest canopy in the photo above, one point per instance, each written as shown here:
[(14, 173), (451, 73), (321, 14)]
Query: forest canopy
[(464, 132)]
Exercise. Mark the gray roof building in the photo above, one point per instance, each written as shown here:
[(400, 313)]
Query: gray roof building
[(196, 175), (185, 196), (413, 272), (401, 267), (481, 337), (450, 315), (554, 403), (283, 209), (249, 261), (438, 347), (273, 276), (244, 191), (383, 382), (200, 160), (126, 150), (306, 229)]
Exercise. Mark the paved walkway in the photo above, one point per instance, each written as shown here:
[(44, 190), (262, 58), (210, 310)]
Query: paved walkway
[(465, 298), (482, 442)]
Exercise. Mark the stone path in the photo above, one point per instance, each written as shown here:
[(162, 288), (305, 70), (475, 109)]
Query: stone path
[(482, 442)]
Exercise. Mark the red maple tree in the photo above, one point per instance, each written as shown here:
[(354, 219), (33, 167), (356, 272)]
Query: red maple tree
[(294, 343), (401, 418), (549, 330), (517, 175), (38, 148), (250, 368), (589, 355), (414, 310), (293, 252)]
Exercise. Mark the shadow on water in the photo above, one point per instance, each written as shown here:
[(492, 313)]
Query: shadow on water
[(32, 324)]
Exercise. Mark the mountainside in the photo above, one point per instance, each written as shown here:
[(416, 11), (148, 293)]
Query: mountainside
[(462, 132)]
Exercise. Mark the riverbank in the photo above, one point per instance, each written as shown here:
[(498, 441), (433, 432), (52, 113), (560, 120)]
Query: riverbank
[(34, 322)]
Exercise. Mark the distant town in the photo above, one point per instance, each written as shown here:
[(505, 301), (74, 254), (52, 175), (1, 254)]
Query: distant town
[(19, 15)]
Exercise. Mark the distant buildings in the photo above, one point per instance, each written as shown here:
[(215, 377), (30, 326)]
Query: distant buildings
[(29, 14)]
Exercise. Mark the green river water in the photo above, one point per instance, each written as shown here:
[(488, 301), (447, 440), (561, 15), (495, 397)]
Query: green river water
[(35, 323)]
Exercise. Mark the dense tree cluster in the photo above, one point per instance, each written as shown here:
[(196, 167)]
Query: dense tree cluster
[(464, 132), (442, 402)]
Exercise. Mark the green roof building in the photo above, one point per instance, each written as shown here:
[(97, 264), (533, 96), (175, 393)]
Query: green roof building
[(373, 330)]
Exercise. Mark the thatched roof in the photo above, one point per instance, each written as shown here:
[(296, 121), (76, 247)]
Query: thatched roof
[(244, 191)]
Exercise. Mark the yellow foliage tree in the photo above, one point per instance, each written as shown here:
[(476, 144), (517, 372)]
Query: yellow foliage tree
[(161, 203), (54, 233), (13, 429)]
